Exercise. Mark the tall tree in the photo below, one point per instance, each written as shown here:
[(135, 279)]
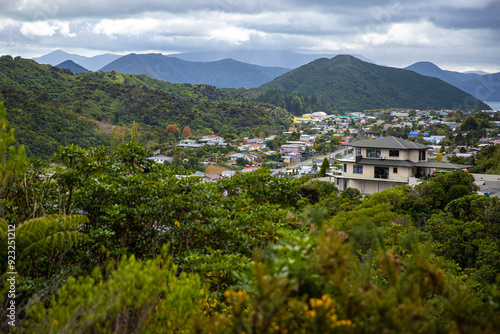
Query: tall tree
[(134, 135), (186, 132), (173, 130), (324, 167), (470, 123), (13, 160), (117, 137)]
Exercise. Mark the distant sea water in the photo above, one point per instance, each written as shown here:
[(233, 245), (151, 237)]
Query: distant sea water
[(495, 105)]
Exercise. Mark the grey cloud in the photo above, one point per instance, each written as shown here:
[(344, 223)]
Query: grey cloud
[(317, 25)]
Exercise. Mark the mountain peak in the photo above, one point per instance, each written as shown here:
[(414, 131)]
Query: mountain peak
[(424, 66), (72, 66), (349, 84)]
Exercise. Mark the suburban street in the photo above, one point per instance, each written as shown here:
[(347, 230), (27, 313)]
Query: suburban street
[(319, 159)]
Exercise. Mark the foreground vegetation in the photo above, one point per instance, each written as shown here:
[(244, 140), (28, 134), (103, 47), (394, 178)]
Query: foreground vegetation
[(108, 241)]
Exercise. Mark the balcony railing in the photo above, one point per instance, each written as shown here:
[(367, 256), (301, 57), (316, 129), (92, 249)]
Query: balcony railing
[(349, 156), (373, 177)]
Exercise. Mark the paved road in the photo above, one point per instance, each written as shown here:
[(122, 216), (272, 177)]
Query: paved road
[(319, 159), (492, 182)]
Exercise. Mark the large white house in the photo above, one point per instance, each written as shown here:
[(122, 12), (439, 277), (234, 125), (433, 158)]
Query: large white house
[(375, 165)]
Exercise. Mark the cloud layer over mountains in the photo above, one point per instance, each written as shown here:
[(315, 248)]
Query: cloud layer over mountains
[(459, 35)]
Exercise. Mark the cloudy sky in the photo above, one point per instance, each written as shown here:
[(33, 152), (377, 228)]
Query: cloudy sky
[(454, 34)]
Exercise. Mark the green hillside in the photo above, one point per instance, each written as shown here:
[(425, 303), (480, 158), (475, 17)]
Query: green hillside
[(346, 83), (72, 66), (50, 106)]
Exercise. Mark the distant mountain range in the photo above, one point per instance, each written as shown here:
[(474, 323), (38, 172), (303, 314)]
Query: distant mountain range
[(92, 63), (72, 66), (222, 73), (268, 58), (232, 69), (485, 87), (346, 83)]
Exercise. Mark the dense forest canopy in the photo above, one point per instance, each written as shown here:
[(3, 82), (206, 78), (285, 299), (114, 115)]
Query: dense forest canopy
[(297, 104), (346, 83)]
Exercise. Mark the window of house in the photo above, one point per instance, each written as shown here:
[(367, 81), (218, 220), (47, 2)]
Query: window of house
[(381, 172), (395, 170), (421, 156), (358, 151), (357, 169), (345, 168), (372, 153), (394, 153)]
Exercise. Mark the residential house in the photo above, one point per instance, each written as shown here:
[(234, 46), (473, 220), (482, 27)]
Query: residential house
[(305, 138), (270, 138), (212, 138), (212, 177), (161, 159), (434, 139), (255, 141), (319, 115), (249, 169), (251, 147), (189, 143), (373, 134), (228, 173), (249, 157), (399, 114), (291, 157), (375, 165), (292, 148)]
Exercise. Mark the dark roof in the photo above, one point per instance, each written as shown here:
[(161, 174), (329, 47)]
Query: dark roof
[(407, 163), (386, 162), (388, 142), (213, 176), (444, 165)]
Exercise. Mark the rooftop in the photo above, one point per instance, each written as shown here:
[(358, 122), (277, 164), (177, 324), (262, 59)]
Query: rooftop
[(388, 142)]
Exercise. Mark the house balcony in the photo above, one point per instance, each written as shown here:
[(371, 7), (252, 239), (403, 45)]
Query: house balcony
[(349, 157), (376, 177)]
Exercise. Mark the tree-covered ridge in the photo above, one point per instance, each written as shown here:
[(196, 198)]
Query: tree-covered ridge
[(43, 124), (296, 103), (349, 84), (52, 106)]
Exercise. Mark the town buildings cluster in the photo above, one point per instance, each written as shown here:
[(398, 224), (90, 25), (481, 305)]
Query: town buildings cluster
[(369, 151)]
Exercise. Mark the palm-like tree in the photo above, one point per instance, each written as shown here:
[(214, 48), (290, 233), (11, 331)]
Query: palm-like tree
[(45, 238)]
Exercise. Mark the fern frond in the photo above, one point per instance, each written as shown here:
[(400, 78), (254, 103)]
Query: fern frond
[(46, 235)]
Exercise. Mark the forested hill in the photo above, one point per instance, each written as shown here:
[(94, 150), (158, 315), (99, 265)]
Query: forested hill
[(49, 106), (72, 66), (346, 83)]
